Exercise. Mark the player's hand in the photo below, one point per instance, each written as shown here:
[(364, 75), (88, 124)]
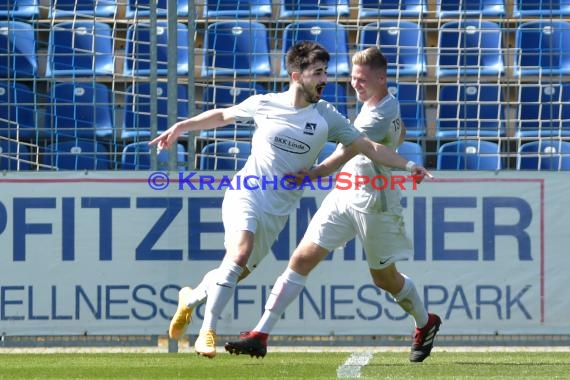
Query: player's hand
[(419, 173), (167, 138)]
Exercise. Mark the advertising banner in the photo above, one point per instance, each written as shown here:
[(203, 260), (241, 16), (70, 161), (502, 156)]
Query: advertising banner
[(105, 253)]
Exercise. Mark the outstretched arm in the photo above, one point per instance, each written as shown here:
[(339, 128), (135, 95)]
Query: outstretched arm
[(378, 153), (206, 120), (382, 155)]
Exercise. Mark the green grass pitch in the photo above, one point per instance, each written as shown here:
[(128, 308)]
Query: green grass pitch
[(283, 365)]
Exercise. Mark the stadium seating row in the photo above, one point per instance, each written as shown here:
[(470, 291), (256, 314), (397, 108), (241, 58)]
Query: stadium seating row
[(486, 155), (467, 47), (81, 154), (290, 8), (86, 109), (465, 110), (231, 155)]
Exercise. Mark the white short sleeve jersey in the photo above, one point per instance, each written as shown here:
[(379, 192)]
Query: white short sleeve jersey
[(381, 124), (286, 140)]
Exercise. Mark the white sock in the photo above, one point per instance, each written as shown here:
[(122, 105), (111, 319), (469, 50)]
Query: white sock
[(219, 292), (287, 287), (409, 299), (200, 292)]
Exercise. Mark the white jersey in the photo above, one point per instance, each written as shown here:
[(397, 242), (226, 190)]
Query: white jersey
[(287, 139), (381, 124)]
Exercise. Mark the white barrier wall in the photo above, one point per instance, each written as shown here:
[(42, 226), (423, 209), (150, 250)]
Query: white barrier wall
[(105, 253)]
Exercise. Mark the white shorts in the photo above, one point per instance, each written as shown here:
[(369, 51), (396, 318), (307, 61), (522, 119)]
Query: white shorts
[(240, 213), (383, 235)]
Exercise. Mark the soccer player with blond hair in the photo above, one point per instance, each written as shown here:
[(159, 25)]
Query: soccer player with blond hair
[(373, 215)]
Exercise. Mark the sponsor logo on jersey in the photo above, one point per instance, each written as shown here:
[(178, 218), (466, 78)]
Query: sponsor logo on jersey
[(310, 129), (289, 144)]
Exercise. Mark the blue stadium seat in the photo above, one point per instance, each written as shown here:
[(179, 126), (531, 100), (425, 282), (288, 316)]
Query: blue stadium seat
[(236, 48), (18, 56), (14, 156), (225, 95), (392, 8), (470, 110), (333, 36), (80, 110), (80, 48), (412, 151), (469, 155), (225, 155), (83, 8), (541, 8), (544, 155), (542, 48), (458, 8), (138, 52), (137, 156), (76, 155), (327, 150), (137, 118), (17, 111), (20, 9), (335, 93), (141, 8), (237, 8), (313, 8), (401, 42), (543, 110), (411, 96), (470, 47)]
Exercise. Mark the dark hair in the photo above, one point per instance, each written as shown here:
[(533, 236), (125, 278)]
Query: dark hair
[(303, 54)]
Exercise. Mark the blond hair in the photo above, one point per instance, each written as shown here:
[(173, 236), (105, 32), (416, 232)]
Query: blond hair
[(371, 57)]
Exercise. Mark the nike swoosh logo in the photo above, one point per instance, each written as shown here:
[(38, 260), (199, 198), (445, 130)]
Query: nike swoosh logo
[(382, 262), (224, 285)]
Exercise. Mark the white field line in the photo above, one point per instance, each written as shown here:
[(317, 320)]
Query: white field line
[(352, 366)]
